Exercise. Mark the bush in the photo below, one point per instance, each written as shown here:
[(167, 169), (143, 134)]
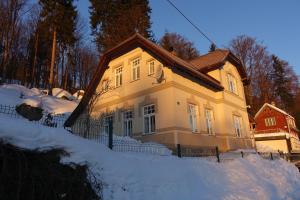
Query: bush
[(35, 175), (29, 112)]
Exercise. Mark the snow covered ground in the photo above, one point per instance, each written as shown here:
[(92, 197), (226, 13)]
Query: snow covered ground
[(136, 176), (13, 95)]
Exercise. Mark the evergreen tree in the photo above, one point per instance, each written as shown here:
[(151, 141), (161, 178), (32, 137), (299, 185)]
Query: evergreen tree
[(114, 21), (60, 18), (212, 47), (281, 80), (182, 47)]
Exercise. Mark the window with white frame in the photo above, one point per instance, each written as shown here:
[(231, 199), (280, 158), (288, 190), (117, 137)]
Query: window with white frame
[(105, 85), (193, 109), (151, 67), (105, 124), (135, 69), (209, 121), (149, 119), (270, 121), (127, 122), (118, 76), (232, 86), (237, 125)]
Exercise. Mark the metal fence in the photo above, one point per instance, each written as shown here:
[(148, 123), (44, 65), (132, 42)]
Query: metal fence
[(48, 119)]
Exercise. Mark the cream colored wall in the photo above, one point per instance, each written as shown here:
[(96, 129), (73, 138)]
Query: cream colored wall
[(171, 98), (273, 144)]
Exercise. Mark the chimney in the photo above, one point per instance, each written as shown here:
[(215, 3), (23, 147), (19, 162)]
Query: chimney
[(172, 51), (273, 103)]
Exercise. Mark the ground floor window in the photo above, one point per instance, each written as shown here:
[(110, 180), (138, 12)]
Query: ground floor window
[(209, 121), (193, 109), (127, 123), (149, 119), (105, 124), (237, 125)]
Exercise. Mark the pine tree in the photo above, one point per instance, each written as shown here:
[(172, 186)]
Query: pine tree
[(60, 18), (282, 87), (114, 21), (183, 48)]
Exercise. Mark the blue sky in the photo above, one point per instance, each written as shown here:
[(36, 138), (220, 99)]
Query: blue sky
[(274, 22)]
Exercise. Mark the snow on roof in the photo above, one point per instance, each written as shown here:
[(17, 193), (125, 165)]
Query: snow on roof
[(273, 107)]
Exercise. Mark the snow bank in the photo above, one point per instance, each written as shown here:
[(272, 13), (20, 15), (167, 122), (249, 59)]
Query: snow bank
[(12, 94), (140, 176), (59, 93)]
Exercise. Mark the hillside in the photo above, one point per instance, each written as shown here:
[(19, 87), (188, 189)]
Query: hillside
[(136, 176)]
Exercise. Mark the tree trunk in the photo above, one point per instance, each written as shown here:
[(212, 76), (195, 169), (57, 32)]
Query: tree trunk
[(33, 80), (51, 78)]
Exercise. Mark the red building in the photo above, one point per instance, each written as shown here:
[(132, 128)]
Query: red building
[(275, 129)]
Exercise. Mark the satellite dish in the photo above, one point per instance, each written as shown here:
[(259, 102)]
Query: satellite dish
[(159, 75)]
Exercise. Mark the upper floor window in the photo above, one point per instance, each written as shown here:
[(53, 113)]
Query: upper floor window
[(149, 119), (193, 109), (237, 125), (118, 76), (135, 69), (105, 85), (209, 121), (151, 67), (232, 84), (270, 121)]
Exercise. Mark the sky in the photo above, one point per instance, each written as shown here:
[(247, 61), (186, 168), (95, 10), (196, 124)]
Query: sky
[(276, 23)]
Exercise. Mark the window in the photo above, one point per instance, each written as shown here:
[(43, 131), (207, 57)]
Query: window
[(151, 67), (105, 85), (118, 76), (209, 121), (192, 109), (232, 84), (149, 119), (135, 69), (270, 121), (237, 125), (127, 123), (105, 124)]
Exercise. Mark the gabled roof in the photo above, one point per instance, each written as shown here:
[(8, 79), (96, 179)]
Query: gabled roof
[(216, 59), (273, 107), (133, 42)]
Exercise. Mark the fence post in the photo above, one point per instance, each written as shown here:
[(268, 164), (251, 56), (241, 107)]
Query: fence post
[(242, 154), (110, 134), (179, 150), (217, 154), (271, 155)]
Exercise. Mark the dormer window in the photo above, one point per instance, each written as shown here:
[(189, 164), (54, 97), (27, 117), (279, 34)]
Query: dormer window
[(232, 86)]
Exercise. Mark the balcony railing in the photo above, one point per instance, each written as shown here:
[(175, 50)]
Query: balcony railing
[(277, 130)]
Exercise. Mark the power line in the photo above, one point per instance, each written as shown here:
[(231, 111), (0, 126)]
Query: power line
[(195, 26)]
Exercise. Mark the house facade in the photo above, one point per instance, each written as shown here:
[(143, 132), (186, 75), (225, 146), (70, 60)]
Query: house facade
[(152, 95), (276, 129)]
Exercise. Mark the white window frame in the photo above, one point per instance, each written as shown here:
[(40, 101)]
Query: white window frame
[(209, 121), (135, 69), (128, 122), (105, 85), (237, 123), (270, 121), (105, 124), (118, 76), (193, 113), (232, 84), (151, 67), (149, 119)]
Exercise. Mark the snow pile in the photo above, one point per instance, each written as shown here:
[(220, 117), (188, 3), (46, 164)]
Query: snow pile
[(60, 93), (79, 94), (13, 95), (138, 176)]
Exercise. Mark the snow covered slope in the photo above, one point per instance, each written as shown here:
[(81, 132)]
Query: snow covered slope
[(12, 94), (145, 177)]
